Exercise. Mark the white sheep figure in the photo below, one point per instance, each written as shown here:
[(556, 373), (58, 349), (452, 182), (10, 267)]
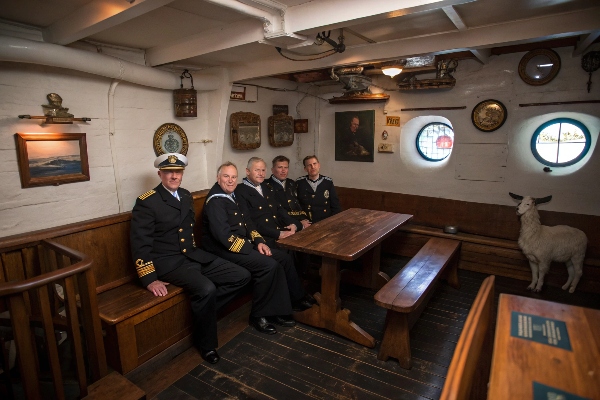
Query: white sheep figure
[(543, 244)]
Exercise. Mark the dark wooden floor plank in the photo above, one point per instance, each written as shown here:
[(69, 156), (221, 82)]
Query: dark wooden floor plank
[(228, 384), (174, 393), (198, 389), (246, 375), (352, 370)]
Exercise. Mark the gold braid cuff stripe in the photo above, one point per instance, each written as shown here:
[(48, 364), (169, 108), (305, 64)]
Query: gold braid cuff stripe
[(143, 268), (237, 245), (296, 213), (254, 235), (147, 194)]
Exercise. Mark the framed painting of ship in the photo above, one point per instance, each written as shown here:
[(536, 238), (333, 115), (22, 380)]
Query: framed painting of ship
[(52, 158)]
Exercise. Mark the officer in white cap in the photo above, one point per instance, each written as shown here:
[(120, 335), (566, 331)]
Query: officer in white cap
[(164, 251)]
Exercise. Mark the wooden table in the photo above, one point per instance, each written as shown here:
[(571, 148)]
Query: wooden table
[(345, 236), (518, 362)]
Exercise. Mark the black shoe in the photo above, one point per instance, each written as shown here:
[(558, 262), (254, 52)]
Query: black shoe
[(283, 320), (262, 325), (210, 356), (304, 303)]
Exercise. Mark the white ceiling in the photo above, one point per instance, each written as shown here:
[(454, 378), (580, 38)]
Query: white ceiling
[(202, 34)]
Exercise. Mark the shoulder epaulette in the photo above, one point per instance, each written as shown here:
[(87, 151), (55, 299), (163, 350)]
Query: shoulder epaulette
[(147, 194), (326, 177)]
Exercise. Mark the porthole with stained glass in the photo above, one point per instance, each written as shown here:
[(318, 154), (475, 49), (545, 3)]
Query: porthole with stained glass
[(435, 141), (560, 142)]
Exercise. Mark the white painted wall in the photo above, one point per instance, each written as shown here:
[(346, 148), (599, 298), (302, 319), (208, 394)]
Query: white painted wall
[(575, 188), (138, 112), (304, 143)]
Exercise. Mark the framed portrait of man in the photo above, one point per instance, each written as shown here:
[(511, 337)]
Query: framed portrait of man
[(355, 135)]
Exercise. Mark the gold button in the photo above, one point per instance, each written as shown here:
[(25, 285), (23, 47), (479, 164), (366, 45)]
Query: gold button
[(191, 224), (313, 195), (234, 213), (192, 234), (267, 219), (277, 227), (240, 224), (270, 205), (274, 216), (325, 210), (289, 201), (325, 202), (182, 239), (180, 229), (260, 207), (184, 250)]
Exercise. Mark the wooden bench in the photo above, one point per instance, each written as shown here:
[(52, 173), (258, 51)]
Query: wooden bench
[(138, 325), (469, 370), (406, 294)]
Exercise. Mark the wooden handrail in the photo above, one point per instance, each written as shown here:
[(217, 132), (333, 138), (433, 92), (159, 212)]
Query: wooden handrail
[(84, 263)]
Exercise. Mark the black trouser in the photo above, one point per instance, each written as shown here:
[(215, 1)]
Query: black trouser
[(286, 259), (210, 287), (270, 288)]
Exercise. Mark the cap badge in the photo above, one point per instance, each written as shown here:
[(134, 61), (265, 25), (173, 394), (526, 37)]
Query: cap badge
[(172, 159)]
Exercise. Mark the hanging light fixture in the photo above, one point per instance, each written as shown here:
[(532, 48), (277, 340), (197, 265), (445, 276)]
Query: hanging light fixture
[(391, 70)]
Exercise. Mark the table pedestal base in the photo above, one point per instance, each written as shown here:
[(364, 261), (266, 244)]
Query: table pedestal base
[(328, 313)]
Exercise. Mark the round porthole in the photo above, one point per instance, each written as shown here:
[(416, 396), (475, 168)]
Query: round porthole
[(560, 142), (435, 141)]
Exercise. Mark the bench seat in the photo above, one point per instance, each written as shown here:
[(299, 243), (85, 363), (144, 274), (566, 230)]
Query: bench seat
[(140, 325), (406, 294)]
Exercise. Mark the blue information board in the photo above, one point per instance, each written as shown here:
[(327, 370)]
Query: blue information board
[(539, 329)]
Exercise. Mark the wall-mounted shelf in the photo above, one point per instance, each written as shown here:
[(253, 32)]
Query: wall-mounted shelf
[(55, 120)]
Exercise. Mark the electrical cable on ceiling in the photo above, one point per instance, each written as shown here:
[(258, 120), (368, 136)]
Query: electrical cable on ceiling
[(280, 89)]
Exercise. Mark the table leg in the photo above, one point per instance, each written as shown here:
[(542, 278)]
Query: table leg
[(369, 276), (328, 313)]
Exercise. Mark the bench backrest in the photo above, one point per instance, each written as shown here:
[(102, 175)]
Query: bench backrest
[(469, 369), (105, 240)]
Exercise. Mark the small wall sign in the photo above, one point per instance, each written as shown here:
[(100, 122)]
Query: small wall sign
[(385, 148), (391, 120), (540, 329)]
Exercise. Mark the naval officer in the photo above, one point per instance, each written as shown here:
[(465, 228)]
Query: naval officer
[(164, 251), (285, 190), (228, 232), (316, 192)]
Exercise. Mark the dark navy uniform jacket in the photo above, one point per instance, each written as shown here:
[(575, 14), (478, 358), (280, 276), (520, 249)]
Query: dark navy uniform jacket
[(265, 211), (226, 224), (287, 197), (319, 202), (162, 233)]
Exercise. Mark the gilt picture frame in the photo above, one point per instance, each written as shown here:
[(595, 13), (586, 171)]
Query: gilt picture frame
[(52, 158)]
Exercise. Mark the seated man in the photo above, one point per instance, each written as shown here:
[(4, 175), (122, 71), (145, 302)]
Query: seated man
[(285, 190), (164, 250), (228, 232), (316, 192), (272, 222)]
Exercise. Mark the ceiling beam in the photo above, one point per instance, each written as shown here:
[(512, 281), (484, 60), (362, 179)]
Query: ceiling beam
[(209, 41), (328, 14), (514, 32), (482, 55), (455, 18), (584, 44), (313, 15), (97, 16)]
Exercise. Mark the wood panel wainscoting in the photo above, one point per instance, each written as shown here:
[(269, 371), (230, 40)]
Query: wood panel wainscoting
[(488, 233), (138, 325)]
